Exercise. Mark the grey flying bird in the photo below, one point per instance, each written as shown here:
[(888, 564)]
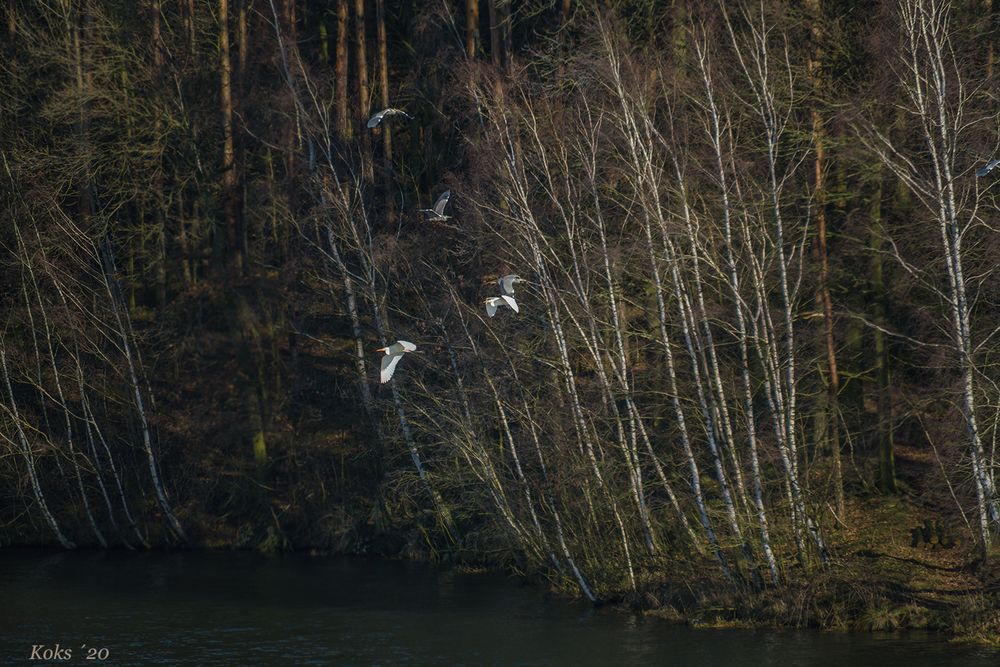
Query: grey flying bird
[(507, 283), (393, 353), (987, 168), (385, 113), (495, 302), (437, 213)]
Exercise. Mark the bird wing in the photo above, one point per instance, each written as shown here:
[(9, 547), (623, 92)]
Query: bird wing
[(442, 202), (407, 345), (389, 366), (376, 119), (491, 307), (507, 285), (510, 302), (987, 168)]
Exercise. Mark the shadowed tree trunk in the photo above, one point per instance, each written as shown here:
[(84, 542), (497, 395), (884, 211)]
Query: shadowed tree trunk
[(383, 78), (343, 122), (292, 140), (472, 28), (496, 33), (227, 236), (879, 301), (159, 203), (12, 21), (363, 102), (815, 9), (990, 10)]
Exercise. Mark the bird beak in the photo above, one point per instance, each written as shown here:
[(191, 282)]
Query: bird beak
[(381, 349)]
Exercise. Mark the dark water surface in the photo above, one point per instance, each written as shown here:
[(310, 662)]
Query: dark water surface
[(245, 609)]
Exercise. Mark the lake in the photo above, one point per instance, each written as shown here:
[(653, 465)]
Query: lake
[(207, 608)]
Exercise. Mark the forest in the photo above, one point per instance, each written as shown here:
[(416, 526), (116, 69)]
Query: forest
[(754, 364)]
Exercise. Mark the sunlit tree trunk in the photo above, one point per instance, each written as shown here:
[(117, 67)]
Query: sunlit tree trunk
[(715, 138), (760, 70), (60, 397), (88, 415), (29, 456), (636, 131), (126, 334), (471, 28), (938, 96)]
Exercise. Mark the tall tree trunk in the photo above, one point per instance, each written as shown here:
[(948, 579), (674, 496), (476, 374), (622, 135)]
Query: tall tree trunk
[(242, 46), (471, 28), (26, 263), (383, 77), (293, 143), (187, 261), (159, 202), (12, 23), (29, 456), (496, 33), (507, 30), (227, 244), (343, 121), (192, 29), (364, 103), (815, 9), (990, 9), (715, 136), (359, 350), (879, 301), (133, 364)]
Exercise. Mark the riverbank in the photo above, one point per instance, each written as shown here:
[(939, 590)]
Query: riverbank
[(877, 581), (238, 608)]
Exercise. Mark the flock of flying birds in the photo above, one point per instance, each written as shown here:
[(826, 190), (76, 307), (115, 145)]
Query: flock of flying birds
[(393, 353)]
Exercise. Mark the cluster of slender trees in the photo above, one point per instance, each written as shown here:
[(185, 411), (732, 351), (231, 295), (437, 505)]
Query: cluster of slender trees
[(755, 248)]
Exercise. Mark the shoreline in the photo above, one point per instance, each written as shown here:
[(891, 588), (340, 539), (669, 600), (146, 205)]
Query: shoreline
[(834, 600)]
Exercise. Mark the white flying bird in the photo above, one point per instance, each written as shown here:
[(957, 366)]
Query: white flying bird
[(507, 284), (495, 302), (393, 353), (385, 113), (437, 213)]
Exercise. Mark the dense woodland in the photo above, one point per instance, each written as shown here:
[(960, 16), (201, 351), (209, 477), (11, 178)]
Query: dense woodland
[(760, 301)]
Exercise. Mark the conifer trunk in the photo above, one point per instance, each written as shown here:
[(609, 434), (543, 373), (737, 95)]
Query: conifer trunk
[(363, 101), (343, 121)]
